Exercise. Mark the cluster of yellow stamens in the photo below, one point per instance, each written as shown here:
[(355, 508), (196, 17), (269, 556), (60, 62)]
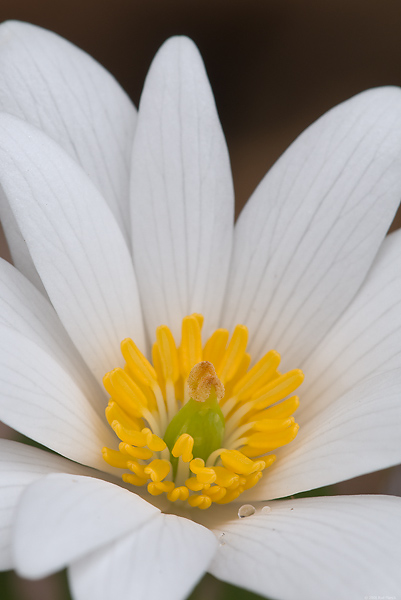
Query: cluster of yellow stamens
[(254, 414)]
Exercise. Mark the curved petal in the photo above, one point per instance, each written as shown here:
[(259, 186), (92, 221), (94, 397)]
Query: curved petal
[(64, 92), (309, 234), (74, 241), (17, 245), (357, 433), (61, 518), (39, 399), (164, 559), (23, 308), (181, 192), (20, 465), (334, 548), (365, 341)]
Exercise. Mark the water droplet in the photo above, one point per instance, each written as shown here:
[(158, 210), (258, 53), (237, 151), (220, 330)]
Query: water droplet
[(221, 539), (246, 510), (265, 510)]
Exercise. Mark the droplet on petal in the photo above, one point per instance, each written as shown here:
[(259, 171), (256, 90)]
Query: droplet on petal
[(246, 510), (266, 510)]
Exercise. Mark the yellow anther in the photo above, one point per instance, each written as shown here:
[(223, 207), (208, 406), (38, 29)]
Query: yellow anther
[(263, 443), (141, 453), (200, 501), (242, 370), (258, 376), (238, 482), (252, 480), (225, 477), (196, 465), (203, 474), (178, 493), (115, 458), (269, 460), (138, 364), (130, 406), (137, 468), (115, 413), (168, 353), (125, 392), (278, 389), (158, 469), (135, 438), (190, 351), (200, 318), (237, 462), (159, 487), (234, 354), (202, 380), (206, 475), (147, 389), (281, 411), (183, 447), (153, 441), (215, 347), (194, 485), (273, 425), (215, 492), (157, 363), (133, 479), (230, 496)]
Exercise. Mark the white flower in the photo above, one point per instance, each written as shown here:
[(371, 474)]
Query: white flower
[(307, 269)]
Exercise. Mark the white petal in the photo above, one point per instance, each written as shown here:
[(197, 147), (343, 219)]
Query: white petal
[(74, 241), (17, 245), (63, 517), (20, 465), (63, 91), (181, 192), (24, 309), (357, 433), (163, 559), (365, 341), (310, 232), (39, 399), (341, 548)]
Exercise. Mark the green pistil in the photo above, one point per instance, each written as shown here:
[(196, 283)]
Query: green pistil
[(203, 421)]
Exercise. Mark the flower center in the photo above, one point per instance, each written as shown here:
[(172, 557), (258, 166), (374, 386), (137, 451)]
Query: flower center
[(198, 425), (201, 417)]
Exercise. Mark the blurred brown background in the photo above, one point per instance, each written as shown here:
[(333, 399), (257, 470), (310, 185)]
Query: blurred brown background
[(275, 66)]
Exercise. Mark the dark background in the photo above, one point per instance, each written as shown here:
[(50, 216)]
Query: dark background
[(275, 66)]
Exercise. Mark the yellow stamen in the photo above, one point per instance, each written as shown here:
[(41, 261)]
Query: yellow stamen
[(258, 376), (158, 469), (203, 474), (115, 413), (168, 353), (278, 389), (234, 354), (190, 352), (255, 411), (215, 347), (183, 447)]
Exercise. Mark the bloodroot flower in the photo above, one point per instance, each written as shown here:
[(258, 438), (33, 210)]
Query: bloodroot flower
[(160, 352)]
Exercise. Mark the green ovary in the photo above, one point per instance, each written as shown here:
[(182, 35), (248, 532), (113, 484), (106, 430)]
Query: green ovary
[(203, 421)]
